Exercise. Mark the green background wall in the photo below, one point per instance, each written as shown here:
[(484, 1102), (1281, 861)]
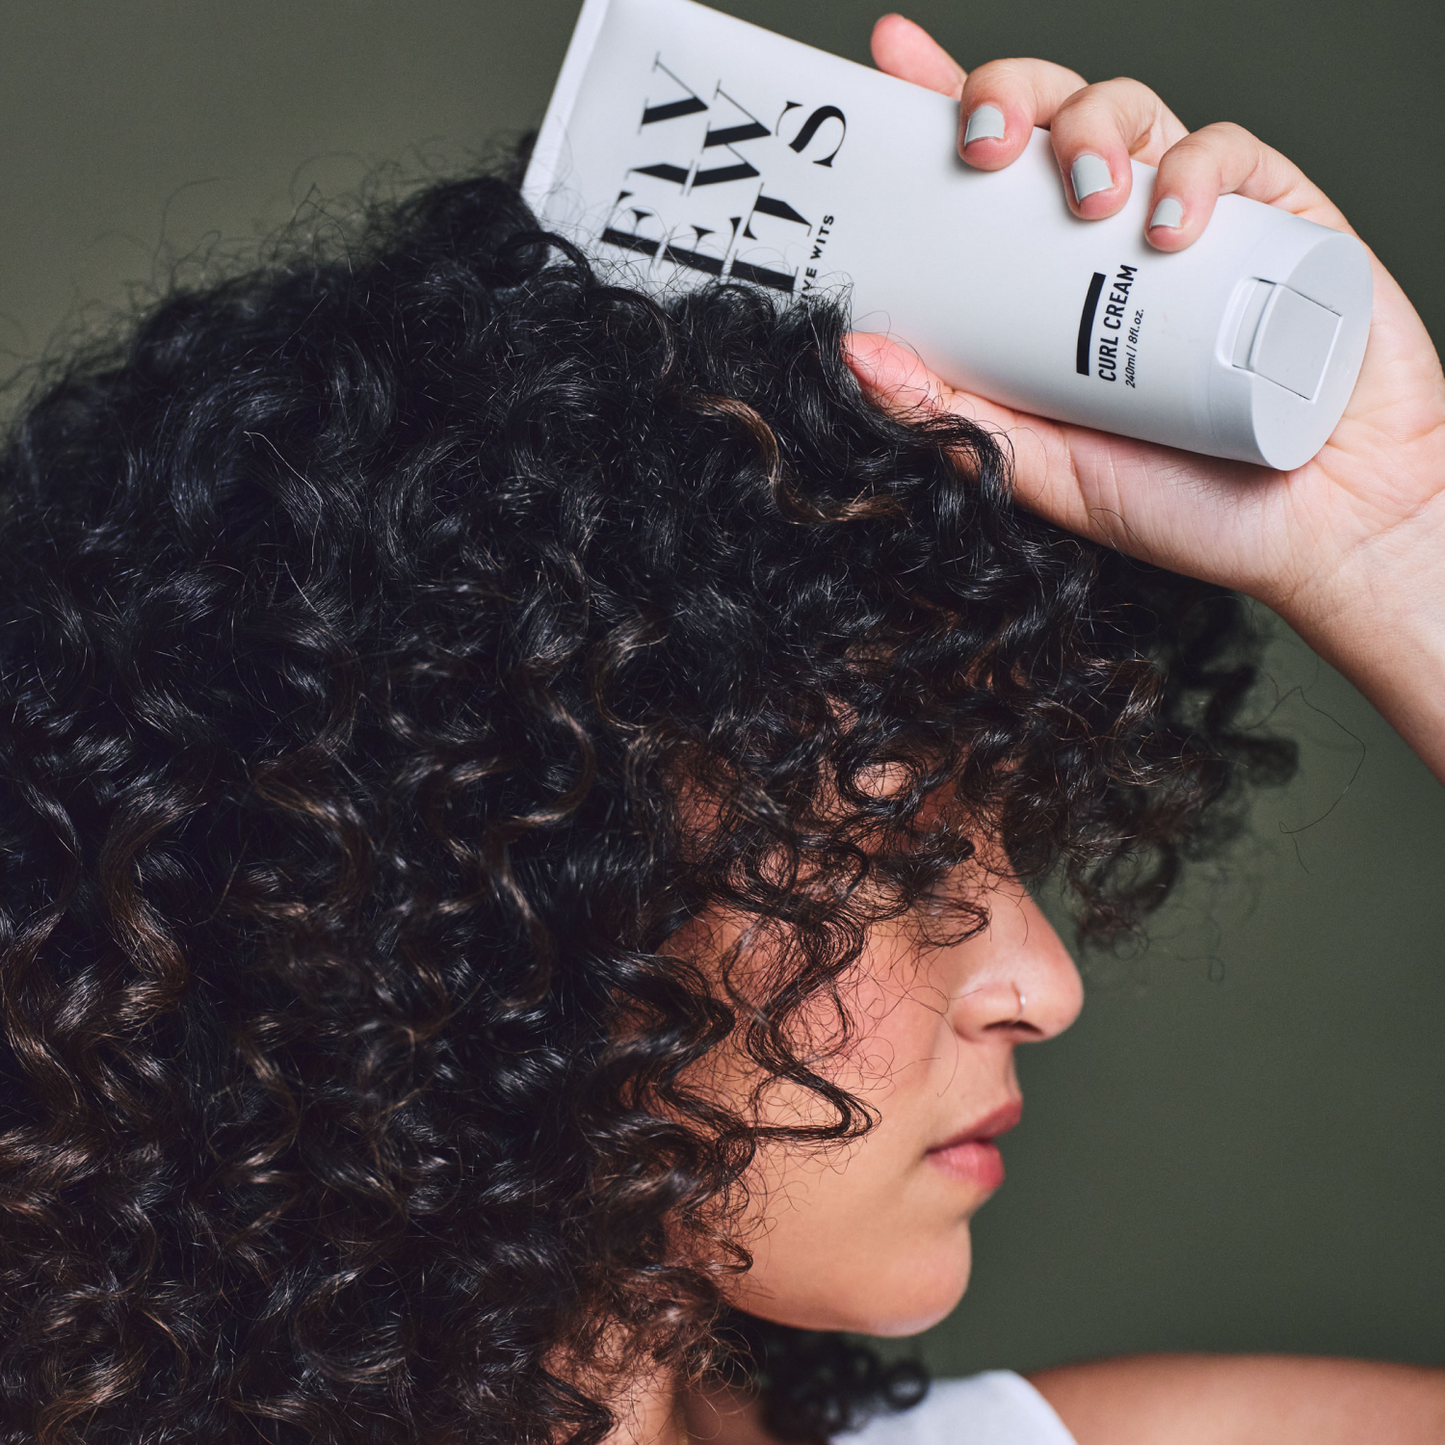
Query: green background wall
[(1240, 1145)]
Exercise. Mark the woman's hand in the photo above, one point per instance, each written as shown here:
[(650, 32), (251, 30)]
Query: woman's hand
[(1350, 548)]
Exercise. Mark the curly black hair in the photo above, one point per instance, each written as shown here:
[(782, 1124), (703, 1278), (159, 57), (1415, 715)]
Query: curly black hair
[(366, 621)]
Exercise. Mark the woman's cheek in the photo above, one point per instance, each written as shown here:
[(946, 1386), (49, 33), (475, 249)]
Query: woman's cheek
[(873, 1239)]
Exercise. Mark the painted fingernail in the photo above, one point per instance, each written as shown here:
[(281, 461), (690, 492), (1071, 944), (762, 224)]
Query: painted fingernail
[(986, 123), (1169, 212), (1090, 174)]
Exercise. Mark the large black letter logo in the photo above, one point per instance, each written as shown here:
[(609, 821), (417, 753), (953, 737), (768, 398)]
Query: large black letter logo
[(657, 242), (729, 136), (772, 206), (633, 240), (694, 257), (690, 104), (721, 159), (813, 125)]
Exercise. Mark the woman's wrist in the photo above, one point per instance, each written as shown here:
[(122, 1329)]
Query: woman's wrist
[(1380, 622)]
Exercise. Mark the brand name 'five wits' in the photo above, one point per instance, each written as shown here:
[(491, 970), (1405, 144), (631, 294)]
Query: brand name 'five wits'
[(709, 211)]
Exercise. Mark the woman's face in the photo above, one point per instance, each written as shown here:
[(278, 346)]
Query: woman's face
[(874, 1236)]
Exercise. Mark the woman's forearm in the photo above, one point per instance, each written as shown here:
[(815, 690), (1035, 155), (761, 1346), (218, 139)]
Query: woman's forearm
[(1246, 1400)]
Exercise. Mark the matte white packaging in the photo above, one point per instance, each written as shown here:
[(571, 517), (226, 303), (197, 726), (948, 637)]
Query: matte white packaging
[(682, 145)]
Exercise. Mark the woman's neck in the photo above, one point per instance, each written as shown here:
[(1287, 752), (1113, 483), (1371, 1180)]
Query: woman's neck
[(725, 1417), (654, 1414), (651, 1414)]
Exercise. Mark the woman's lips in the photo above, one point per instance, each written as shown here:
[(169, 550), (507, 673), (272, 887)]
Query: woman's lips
[(971, 1155)]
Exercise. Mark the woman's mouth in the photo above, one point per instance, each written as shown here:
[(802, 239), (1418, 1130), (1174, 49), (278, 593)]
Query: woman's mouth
[(971, 1156)]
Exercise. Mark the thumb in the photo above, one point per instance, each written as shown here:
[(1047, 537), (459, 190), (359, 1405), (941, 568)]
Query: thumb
[(892, 374)]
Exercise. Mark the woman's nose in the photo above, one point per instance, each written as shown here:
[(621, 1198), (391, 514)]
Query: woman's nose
[(1021, 979)]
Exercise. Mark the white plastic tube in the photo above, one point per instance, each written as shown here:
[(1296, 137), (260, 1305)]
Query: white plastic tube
[(682, 146)]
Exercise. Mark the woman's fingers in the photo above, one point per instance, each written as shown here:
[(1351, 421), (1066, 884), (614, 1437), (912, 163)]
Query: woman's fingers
[(1225, 159), (1097, 131), (1003, 101), (909, 52)]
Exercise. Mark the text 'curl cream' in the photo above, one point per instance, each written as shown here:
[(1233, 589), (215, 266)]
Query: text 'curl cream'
[(683, 146)]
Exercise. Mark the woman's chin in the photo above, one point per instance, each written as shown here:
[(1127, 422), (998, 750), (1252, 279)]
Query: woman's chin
[(884, 1282), (933, 1289), (898, 1325)]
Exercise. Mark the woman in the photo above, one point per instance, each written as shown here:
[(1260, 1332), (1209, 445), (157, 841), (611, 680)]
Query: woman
[(519, 808)]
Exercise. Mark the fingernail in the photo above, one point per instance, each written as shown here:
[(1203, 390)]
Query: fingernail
[(1090, 174), (986, 123), (1168, 212)]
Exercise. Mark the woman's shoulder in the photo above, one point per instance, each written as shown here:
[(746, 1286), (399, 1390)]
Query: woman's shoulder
[(997, 1407)]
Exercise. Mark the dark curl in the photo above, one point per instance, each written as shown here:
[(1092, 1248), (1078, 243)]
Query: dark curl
[(367, 622)]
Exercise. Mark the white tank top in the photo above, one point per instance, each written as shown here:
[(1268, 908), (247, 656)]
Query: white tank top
[(995, 1408)]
